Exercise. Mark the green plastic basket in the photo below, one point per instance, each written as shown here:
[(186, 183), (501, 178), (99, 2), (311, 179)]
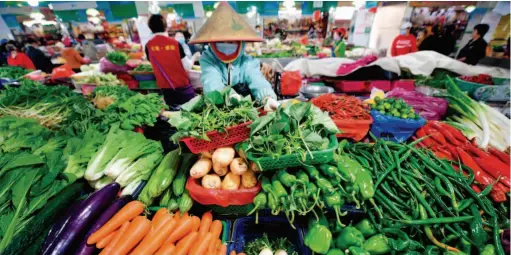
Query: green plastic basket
[(468, 86), (500, 81), (293, 160), (231, 210), (147, 85)]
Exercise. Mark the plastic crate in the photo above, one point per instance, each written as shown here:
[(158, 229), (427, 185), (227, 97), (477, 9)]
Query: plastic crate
[(404, 84), (233, 135), (226, 231), (351, 86), (393, 128), (245, 230), (381, 84), (293, 160), (147, 85), (144, 76), (500, 81)]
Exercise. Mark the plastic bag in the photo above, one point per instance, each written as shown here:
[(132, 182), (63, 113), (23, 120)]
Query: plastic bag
[(61, 72), (393, 128), (290, 83), (430, 108), (221, 197), (354, 129), (106, 66), (493, 93)]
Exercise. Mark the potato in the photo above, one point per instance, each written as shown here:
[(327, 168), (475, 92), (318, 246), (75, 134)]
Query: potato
[(238, 166), (211, 181), (220, 169), (231, 182), (223, 156), (200, 168), (254, 168), (249, 179)]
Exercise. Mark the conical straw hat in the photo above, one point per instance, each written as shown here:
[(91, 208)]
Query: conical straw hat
[(225, 25)]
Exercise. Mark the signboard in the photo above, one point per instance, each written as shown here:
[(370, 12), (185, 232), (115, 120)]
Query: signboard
[(73, 6)]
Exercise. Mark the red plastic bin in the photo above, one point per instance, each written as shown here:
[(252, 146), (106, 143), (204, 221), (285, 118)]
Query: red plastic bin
[(351, 86), (353, 129), (380, 84), (232, 135), (404, 84)]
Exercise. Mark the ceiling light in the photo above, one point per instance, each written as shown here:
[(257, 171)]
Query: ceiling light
[(209, 13), (92, 12), (33, 3), (470, 8)]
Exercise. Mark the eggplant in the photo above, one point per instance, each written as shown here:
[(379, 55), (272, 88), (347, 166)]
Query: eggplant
[(57, 228), (83, 248), (90, 209)]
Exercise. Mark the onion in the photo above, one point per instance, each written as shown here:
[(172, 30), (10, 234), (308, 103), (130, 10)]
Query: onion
[(266, 251)]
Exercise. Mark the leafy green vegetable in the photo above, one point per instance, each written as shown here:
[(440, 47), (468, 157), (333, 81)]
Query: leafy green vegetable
[(107, 79), (12, 72), (117, 57), (143, 68), (214, 111)]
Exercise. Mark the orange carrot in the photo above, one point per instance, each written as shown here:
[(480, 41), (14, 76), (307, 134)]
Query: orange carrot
[(242, 253), (223, 250), (127, 213), (164, 221), (202, 245), (120, 233), (138, 228), (233, 252), (216, 230), (185, 244), (177, 215), (155, 239), (166, 249), (214, 245), (196, 223), (159, 215), (184, 227), (185, 215), (105, 241), (205, 223)]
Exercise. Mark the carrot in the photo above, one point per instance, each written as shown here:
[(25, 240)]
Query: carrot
[(166, 249), (127, 213), (233, 252), (202, 245), (177, 215), (223, 250), (216, 230), (138, 228), (205, 224), (214, 245), (105, 241), (108, 249), (184, 215), (184, 227), (155, 239), (242, 253), (196, 223), (185, 244), (159, 215), (165, 221)]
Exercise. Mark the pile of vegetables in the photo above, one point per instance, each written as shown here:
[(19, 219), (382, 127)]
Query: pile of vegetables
[(104, 96), (264, 246), (125, 157), (107, 79), (147, 68), (12, 72), (427, 203), (394, 107), (292, 129), (490, 169), (481, 78), (117, 57), (437, 79), (477, 120), (216, 111), (342, 107), (167, 183), (234, 170)]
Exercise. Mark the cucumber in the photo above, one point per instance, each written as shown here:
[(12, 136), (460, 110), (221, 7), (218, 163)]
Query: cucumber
[(178, 185), (185, 202), (44, 219)]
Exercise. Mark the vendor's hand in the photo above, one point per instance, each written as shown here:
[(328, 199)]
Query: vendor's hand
[(270, 104), (195, 57)]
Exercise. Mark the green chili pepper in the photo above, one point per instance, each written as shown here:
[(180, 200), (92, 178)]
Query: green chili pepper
[(377, 244), (414, 245), (477, 232), (312, 171), (432, 250), (324, 185), (466, 247), (278, 189), (335, 202), (488, 250), (366, 228), (273, 204), (350, 236), (335, 252), (302, 176), (329, 170), (318, 238), (285, 178), (354, 250), (401, 243), (259, 202)]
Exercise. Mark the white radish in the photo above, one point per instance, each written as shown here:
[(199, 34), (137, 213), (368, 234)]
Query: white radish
[(223, 156), (211, 181), (231, 182), (220, 169), (266, 251), (200, 168), (238, 166), (248, 179), (206, 154), (280, 252)]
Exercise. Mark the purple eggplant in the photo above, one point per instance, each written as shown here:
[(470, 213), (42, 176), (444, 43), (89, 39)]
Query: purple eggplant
[(57, 228), (90, 209), (83, 248)]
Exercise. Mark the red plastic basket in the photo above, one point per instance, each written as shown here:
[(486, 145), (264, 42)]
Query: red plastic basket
[(404, 84), (354, 129), (351, 86), (233, 135), (382, 84)]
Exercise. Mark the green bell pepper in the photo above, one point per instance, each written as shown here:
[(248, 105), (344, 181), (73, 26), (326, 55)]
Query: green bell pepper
[(318, 238), (350, 236), (366, 228), (354, 250), (377, 244), (335, 252), (477, 232)]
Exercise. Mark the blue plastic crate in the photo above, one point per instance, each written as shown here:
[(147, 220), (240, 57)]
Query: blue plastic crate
[(144, 77), (245, 230), (393, 128)]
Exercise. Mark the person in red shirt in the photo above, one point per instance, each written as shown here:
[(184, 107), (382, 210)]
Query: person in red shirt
[(405, 42), (18, 58), (170, 64)]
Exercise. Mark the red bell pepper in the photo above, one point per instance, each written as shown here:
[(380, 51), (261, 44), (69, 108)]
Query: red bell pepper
[(490, 167), (437, 136), (504, 157), (438, 126)]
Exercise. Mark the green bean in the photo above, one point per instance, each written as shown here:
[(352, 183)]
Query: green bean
[(419, 196), (390, 205), (431, 221)]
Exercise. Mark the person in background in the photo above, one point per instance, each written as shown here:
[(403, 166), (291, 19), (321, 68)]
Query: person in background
[(3, 52), (89, 49), (97, 39), (170, 64), (259, 30), (405, 42), (339, 43), (312, 33), (17, 58), (475, 49), (72, 57), (225, 63), (447, 40), (430, 41), (38, 57), (180, 37)]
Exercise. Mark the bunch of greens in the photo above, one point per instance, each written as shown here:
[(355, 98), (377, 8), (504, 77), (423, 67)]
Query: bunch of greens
[(106, 95), (437, 79), (263, 245), (117, 57), (143, 68), (133, 111), (12, 72), (31, 172), (217, 110), (107, 79), (55, 107), (293, 129)]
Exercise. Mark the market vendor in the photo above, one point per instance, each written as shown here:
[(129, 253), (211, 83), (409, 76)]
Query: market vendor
[(17, 58), (170, 64), (225, 63)]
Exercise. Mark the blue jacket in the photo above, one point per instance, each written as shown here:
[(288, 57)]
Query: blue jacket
[(244, 69)]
